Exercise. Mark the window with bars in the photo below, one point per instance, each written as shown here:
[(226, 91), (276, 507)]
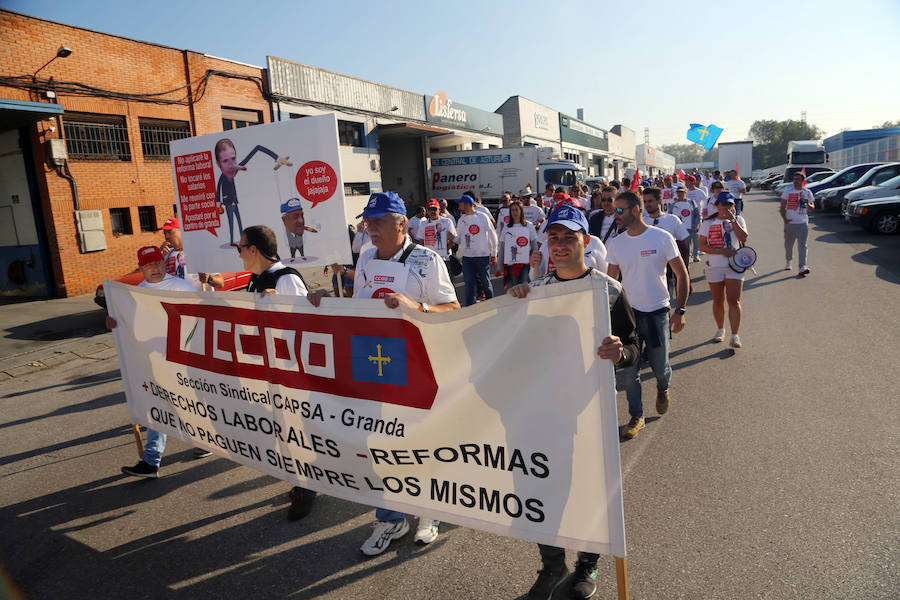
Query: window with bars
[(156, 135), (120, 220), (356, 189), (96, 137), (147, 218)]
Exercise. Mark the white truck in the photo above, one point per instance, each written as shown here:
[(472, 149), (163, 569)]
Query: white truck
[(494, 171), (805, 154), (736, 155)]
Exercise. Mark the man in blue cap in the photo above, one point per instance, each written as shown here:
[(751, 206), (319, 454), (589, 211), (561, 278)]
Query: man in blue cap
[(567, 237), (401, 273), (478, 246), (294, 224)]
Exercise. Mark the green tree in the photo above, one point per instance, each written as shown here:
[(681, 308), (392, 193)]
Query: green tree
[(770, 139), (887, 124)]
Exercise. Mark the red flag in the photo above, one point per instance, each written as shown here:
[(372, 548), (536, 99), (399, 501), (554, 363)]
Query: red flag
[(737, 171), (681, 174), (803, 170), (637, 179)]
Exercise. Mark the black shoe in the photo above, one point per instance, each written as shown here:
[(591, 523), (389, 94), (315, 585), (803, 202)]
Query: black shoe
[(142, 469), (584, 580), (302, 501), (548, 580)]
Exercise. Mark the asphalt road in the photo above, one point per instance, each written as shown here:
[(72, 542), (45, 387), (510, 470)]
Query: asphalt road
[(774, 474)]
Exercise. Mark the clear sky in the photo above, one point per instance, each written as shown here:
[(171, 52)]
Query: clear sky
[(660, 65)]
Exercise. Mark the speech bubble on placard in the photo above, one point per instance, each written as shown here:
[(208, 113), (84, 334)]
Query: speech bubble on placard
[(316, 181), (196, 184)]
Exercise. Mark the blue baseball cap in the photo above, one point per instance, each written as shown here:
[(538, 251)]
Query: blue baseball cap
[(381, 204), (467, 199), (725, 198), (568, 216), (291, 205)]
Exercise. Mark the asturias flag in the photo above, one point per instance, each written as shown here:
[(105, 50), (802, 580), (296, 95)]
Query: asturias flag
[(705, 135)]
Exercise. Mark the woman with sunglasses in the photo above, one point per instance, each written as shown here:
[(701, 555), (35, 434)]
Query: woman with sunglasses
[(710, 209), (720, 237)]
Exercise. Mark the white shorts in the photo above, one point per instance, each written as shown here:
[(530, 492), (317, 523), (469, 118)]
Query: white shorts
[(720, 274)]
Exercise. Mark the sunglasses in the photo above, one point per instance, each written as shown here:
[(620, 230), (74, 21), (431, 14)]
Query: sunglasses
[(241, 246), (619, 210)]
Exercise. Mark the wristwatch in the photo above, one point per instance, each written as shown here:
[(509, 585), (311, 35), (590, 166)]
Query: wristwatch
[(680, 311), (424, 307)]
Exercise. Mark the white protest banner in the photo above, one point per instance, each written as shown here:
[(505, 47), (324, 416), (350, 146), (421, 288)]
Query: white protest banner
[(262, 175), (440, 414)]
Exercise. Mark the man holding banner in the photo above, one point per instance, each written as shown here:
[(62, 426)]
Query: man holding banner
[(401, 273), (567, 235)]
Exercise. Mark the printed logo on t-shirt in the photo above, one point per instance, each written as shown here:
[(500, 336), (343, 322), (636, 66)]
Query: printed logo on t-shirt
[(506, 220), (793, 201), (383, 279), (522, 241), (648, 252), (715, 238), (474, 229), (382, 292), (685, 212)]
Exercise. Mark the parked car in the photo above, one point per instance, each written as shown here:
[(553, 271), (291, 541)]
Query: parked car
[(881, 215), (891, 187), (233, 281), (843, 177), (771, 181), (814, 178), (833, 198)]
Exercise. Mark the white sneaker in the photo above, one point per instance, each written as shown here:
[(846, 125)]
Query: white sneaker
[(804, 271), (720, 335), (382, 535), (787, 266), (427, 531), (735, 341)]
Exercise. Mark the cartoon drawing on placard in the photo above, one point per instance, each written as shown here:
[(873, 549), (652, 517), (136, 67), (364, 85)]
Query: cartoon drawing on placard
[(226, 193), (295, 224)]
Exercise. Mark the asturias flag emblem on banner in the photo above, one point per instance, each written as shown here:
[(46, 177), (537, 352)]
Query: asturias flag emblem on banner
[(705, 135)]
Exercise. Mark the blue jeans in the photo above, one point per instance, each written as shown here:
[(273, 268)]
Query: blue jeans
[(653, 332), (392, 516), (231, 210), (695, 243), (155, 446), (477, 268)]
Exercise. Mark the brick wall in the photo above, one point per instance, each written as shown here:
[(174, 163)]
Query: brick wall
[(126, 66)]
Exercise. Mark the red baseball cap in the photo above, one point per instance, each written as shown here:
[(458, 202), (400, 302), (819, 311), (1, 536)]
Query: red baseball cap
[(171, 223), (432, 204), (690, 178), (667, 178), (560, 196), (149, 254)]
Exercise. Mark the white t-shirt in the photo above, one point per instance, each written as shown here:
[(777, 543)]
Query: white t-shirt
[(288, 285), (511, 237), (736, 187), (684, 210), (428, 279), (720, 234), (476, 235), (795, 204), (170, 283), (483, 210), (708, 207), (533, 214), (670, 223), (642, 260), (502, 220), (449, 216), (414, 223), (698, 196), (433, 234)]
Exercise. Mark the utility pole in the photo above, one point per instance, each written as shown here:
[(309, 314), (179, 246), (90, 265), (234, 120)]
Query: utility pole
[(646, 135), (803, 116)]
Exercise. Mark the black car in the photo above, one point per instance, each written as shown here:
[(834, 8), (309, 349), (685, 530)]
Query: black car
[(881, 215), (833, 198)]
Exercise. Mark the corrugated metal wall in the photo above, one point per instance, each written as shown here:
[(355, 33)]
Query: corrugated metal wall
[(303, 82)]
